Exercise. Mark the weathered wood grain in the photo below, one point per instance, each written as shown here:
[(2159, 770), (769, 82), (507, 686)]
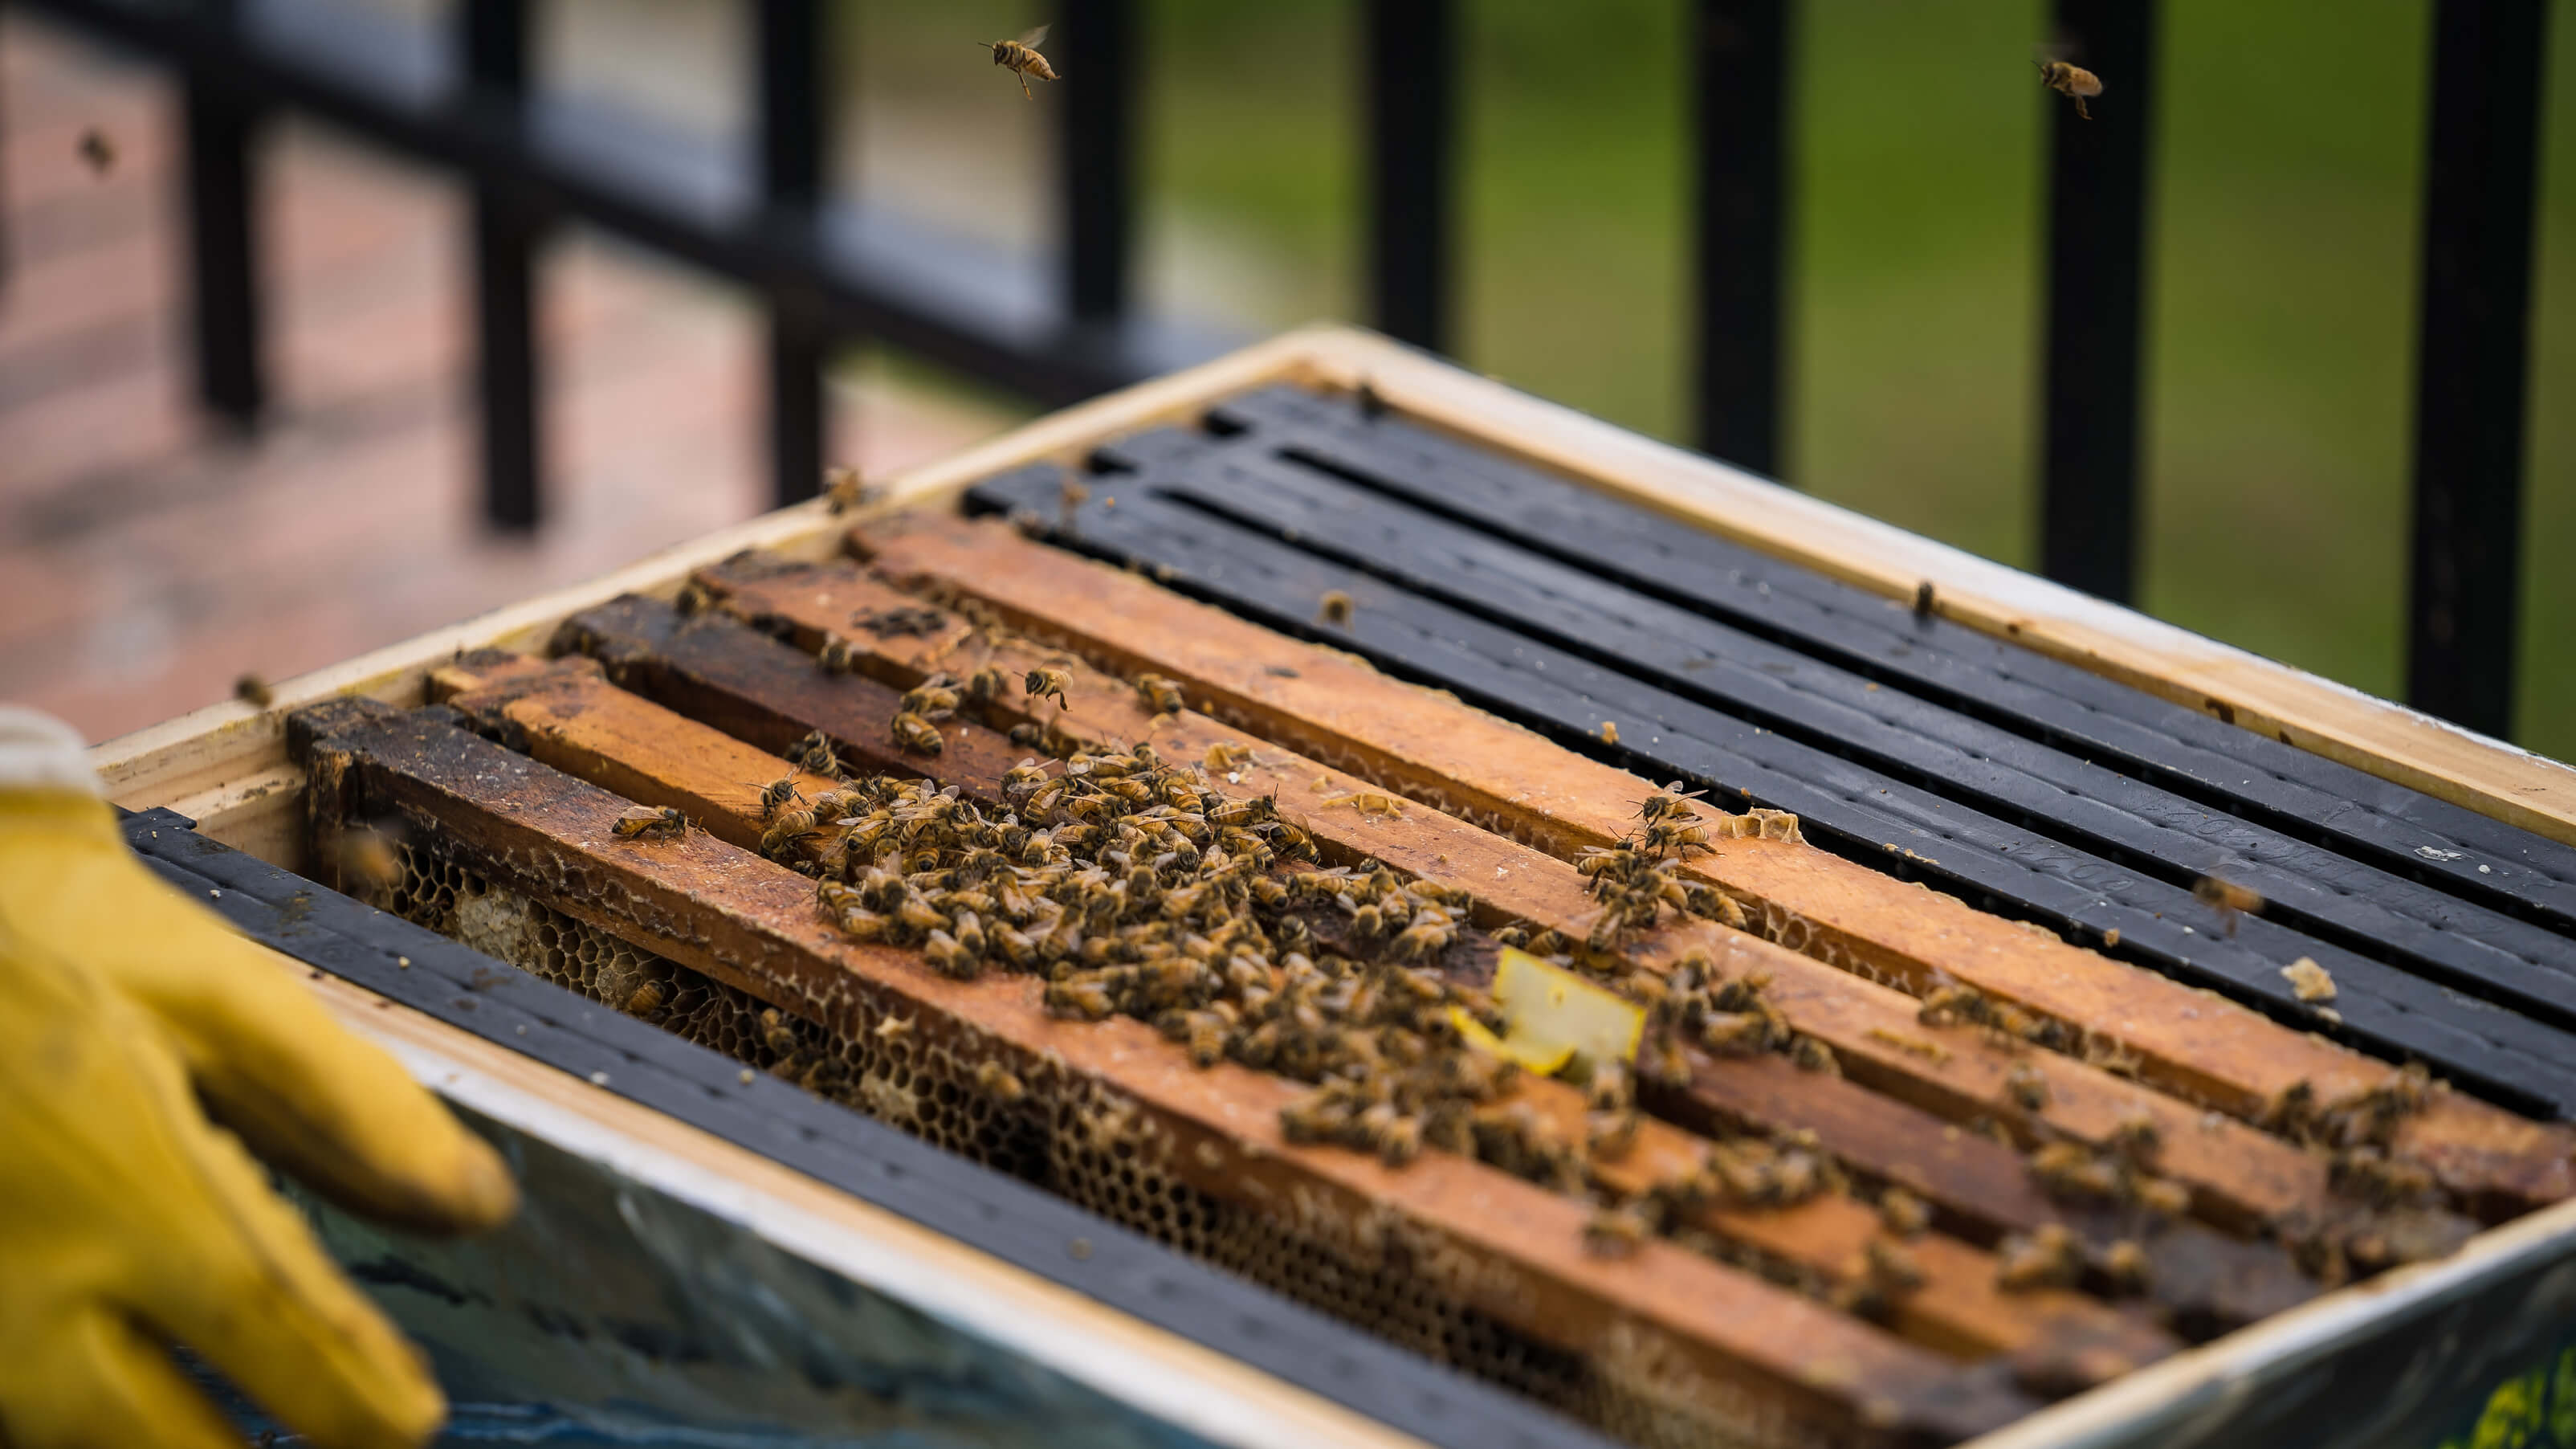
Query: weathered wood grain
[(1509, 1248)]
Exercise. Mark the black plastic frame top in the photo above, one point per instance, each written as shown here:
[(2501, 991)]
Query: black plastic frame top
[(1913, 745), (988, 1211)]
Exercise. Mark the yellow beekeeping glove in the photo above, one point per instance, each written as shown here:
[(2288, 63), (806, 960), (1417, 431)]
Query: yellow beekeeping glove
[(132, 1023)]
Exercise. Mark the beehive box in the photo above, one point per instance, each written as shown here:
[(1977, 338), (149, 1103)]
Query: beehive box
[(2095, 947)]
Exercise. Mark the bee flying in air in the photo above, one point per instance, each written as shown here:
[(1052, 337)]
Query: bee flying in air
[(1020, 57), (2072, 81), (2228, 899), (97, 151)]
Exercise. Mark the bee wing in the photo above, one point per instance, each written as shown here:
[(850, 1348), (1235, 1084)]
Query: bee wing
[(1035, 38)]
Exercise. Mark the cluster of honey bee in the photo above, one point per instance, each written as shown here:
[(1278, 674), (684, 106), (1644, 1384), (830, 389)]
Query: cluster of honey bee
[(2382, 1190), (1748, 1172), (2048, 1256), (1136, 891), (2369, 1117), (1634, 879), (1953, 1004), (1724, 1017), (918, 621), (2123, 1170)]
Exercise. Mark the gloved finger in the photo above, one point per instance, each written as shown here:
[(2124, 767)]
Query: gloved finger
[(251, 1290), (310, 1096), (98, 1382)]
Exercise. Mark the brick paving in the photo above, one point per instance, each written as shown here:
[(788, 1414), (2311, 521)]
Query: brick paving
[(147, 557)]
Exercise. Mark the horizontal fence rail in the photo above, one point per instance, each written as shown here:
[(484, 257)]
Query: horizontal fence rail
[(831, 271)]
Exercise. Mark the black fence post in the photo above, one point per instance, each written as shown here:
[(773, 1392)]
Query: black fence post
[(506, 234), (219, 126), (1094, 47), (1738, 75), (2097, 216), (2473, 338), (1412, 128), (794, 142)]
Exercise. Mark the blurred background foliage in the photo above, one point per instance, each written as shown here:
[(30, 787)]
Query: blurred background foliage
[(2288, 159)]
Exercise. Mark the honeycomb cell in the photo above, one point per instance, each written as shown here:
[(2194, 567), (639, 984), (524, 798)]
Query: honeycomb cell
[(1065, 1135)]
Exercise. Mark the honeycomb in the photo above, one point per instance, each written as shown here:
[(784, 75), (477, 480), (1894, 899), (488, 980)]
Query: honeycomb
[(1076, 1140)]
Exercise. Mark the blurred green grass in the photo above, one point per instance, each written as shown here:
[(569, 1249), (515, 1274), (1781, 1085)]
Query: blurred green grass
[(2287, 172)]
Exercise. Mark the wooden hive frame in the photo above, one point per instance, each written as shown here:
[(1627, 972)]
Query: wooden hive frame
[(1516, 809)]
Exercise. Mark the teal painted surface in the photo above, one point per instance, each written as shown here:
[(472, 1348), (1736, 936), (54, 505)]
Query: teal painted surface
[(607, 1313)]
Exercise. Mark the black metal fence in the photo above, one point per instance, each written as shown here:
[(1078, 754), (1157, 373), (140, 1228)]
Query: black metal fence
[(831, 271)]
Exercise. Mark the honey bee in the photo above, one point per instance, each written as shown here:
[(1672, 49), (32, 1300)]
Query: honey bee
[(999, 1084), (1042, 682), (1667, 803), (838, 656), (2378, 1179), (790, 829), (1611, 1135), (1890, 1268), (2026, 1086), (1020, 57), (664, 824), (368, 860), (844, 491), (1734, 1033), (814, 755), (1162, 696), (2044, 1258), (646, 999), (2227, 898), (946, 957), (2075, 83), (1429, 935), (252, 690), (2125, 1264), (775, 794), (1617, 1232), (1903, 1214), (2069, 1169), (97, 151), (1810, 1055), (775, 1031), (912, 732), (932, 698), (1397, 1138), (1666, 837), (1923, 596), (1082, 995), (988, 686), (1335, 609), (693, 599)]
